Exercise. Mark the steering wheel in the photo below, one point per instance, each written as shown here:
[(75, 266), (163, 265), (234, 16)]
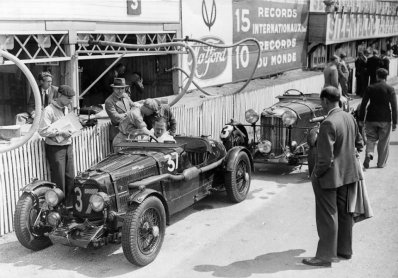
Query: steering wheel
[(140, 132), (288, 94)]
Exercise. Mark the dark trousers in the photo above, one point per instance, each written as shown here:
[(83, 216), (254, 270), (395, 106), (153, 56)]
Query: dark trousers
[(60, 159), (334, 223)]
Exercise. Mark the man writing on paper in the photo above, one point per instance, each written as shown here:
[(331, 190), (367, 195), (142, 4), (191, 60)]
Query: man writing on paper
[(58, 140)]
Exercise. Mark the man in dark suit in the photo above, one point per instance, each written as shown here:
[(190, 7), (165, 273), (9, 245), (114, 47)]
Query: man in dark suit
[(361, 74), (374, 63), (48, 93), (336, 170), (381, 111)]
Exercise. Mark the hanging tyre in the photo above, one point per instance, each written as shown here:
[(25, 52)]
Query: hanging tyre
[(237, 181), (143, 231), (29, 228)]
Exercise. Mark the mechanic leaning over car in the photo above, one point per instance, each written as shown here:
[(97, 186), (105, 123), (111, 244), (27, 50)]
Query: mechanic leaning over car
[(133, 121), (160, 110), (117, 105), (58, 143)]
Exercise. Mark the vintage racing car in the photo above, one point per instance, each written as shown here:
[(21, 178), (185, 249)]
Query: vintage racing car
[(130, 195), (286, 129)]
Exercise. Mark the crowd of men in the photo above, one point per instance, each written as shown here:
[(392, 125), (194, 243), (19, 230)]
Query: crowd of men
[(337, 173)]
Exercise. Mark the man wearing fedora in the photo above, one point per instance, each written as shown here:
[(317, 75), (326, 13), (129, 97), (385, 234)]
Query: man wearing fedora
[(117, 105)]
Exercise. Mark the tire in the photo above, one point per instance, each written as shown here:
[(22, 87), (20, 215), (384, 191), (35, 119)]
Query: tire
[(237, 181), (140, 220), (24, 217)]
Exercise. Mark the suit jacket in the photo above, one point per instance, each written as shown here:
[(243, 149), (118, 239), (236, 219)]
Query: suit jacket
[(382, 106), (336, 162), (117, 108), (45, 100), (331, 76), (373, 64)]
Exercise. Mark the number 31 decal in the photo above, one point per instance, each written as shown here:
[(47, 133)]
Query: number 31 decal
[(173, 165)]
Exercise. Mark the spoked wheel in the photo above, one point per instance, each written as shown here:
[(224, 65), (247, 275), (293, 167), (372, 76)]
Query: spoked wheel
[(143, 231), (29, 228), (237, 181)]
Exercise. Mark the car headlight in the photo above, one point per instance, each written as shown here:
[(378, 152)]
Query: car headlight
[(54, 196), (251, 116), (264, 146), (226, 131), (54, 218), (289, 118), (98, 201)]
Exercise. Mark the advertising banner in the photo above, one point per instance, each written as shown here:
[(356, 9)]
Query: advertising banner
[(354, 26), (280, 27)]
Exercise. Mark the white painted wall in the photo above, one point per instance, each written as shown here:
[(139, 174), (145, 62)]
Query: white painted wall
[(162, 11)]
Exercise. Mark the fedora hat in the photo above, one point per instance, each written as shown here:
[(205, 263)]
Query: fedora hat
[(119, 83)]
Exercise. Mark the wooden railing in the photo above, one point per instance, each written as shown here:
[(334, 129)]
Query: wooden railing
[(18, 167)]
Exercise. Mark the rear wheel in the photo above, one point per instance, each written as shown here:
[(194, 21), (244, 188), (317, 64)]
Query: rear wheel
[(237, 181), (28, 225), (143, 231)]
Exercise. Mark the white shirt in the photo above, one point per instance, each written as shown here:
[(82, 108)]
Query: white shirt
[(165, 137)]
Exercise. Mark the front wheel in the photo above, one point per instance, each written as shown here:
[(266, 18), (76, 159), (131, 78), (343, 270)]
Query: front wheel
[(29, 228), (237, 181), (143, 231)]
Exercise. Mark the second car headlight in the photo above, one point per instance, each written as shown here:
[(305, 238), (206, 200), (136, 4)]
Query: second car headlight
[(264, 146), (251, 116), (289, 118), (98, 201), (54, 196)]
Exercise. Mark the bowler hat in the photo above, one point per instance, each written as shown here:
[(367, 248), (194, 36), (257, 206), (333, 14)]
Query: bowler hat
[(119, 83), (66, 90)]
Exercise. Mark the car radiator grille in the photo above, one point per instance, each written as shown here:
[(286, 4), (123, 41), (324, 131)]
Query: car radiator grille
[(81, 199), (272, 129)]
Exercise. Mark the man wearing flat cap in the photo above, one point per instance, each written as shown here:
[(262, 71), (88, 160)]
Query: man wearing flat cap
[(158, 110), (58, 142), (117, 105)]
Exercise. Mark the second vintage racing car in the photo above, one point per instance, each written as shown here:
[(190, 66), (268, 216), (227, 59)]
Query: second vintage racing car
[(286, 129), (130, 195)]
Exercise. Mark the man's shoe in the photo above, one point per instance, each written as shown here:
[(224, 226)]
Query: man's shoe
[(347, 257), (366, 162), (316, 262)]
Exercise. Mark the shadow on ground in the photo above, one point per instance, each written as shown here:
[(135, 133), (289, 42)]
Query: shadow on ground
[(267, 263)]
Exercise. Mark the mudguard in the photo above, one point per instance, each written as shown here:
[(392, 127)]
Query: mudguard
[(232, 154), (141, 194), (38, 185)]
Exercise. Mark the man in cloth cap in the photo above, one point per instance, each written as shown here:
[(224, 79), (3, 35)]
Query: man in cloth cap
[(58, 143), (117, 105)]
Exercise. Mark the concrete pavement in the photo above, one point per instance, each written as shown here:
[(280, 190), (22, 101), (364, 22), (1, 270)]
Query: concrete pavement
[(265, 236)]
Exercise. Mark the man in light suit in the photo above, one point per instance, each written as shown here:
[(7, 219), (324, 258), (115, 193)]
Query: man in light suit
[(336, 170), (117, 105)]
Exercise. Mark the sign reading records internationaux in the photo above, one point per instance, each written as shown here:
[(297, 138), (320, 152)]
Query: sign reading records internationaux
[(280, 28)]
